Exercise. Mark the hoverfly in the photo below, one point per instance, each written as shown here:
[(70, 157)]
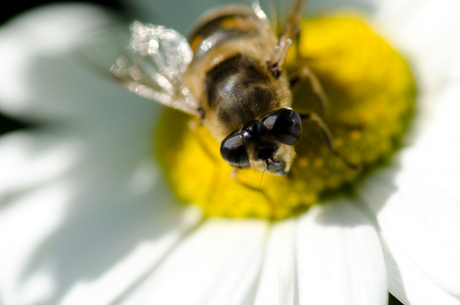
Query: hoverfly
[(229, 75)]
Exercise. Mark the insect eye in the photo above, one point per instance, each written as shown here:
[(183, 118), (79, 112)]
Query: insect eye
[(233, 151), (285, 125), (252, 132)]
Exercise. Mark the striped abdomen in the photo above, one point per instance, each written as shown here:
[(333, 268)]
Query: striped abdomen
[(229, 73)]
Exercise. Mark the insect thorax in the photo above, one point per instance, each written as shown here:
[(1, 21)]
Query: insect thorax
[(229, 74), (238, 90)]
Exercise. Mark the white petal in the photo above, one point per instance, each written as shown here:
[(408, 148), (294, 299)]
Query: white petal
[(408, 285), (154, 240), (42, 80), (421, 220), (99, 124), (339, 257), (426, 31), (56, 28), (92, 230), (278, 284), (437, 120), (431, 157), (33, 158), (217, 264), (438, 164)]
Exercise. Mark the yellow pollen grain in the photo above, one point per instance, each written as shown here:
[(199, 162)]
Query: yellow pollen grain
[(371, 95)]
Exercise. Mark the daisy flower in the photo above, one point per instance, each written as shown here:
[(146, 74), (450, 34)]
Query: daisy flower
[(86, 216)]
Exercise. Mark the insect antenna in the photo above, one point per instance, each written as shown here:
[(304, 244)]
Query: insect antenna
[(262, 177)]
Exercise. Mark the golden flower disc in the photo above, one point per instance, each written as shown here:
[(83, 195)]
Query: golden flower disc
[(371, 95)]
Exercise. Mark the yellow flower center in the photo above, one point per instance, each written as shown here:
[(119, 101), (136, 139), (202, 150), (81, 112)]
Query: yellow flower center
[(371, 96)]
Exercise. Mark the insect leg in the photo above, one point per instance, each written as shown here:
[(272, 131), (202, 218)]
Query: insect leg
[(328, 137), (314, 83), (290, 31)]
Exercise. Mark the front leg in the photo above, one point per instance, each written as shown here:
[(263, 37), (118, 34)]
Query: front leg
[(328, 137), (314, 83)]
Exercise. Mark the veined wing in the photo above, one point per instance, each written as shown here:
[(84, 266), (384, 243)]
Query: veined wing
[(150, 64)]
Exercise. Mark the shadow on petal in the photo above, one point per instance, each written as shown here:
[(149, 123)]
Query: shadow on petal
[(106, 218), (103, 225)]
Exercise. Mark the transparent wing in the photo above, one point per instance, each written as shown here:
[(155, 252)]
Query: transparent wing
[(149, 60)]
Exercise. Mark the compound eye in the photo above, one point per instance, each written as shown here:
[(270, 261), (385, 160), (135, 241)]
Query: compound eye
[(233, 151), (252, 132), (285, 125)]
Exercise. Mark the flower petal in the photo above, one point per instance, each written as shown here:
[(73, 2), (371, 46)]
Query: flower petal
[(278, 283), (42, 80), (431, 157), (166, 229), (91, 230), (426, 31), (438, 164), (339, 257), (408, 285), (29, 159), (33, 158), (217, 264), (421, 220), (437, 121)]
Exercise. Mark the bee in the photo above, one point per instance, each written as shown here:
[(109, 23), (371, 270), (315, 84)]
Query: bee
[(229, 75)]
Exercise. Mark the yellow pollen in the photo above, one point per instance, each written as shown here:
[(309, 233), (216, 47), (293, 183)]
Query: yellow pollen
[(371, 95)]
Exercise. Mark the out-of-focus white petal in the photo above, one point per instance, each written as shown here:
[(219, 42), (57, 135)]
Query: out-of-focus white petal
[(419, 219), (430, 157), (22, 226), (105, 126), (426, 31), (42, 80), (55, 29), (437, 120), (278, 283), (77, 239), (166, 229), (30, 159), (217, 264), (417, 206), (408, 285), (438, 164), (339, 257)]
